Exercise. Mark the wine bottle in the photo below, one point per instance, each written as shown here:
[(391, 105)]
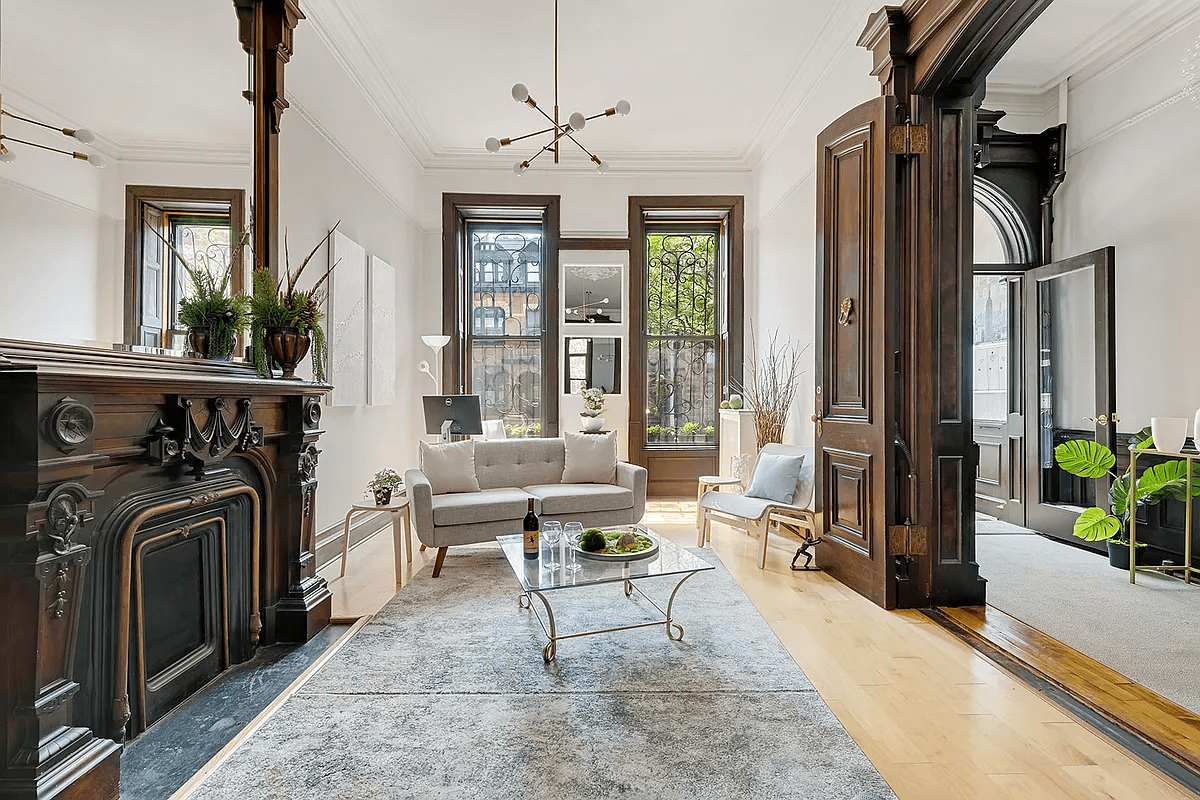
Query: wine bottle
[(531, 527)]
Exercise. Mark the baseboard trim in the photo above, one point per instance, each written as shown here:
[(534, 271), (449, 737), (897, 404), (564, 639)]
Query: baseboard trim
[(365, 525), (1162, 752)]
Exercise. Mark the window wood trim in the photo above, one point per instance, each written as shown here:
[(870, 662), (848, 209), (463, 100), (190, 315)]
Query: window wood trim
[(137, 196), (455, 313)]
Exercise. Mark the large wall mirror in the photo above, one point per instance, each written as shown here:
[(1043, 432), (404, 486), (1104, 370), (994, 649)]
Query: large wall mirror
[(592, 293), (158, 115)]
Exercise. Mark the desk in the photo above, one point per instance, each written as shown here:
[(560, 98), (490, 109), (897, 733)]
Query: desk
[(401, 528)]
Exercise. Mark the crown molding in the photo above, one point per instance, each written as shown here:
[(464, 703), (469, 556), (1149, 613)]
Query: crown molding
[(190, 153), (841, 28), (1021, 101), (342, 29), (1113, 47), (627, 162), (27, 106)]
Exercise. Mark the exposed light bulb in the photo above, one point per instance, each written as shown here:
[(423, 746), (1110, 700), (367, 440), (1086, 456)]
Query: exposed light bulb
[(492, 145), (602, 302), (520, 93), (84, 135), (6, 155), (623, 107), (602, 168), (98, 161), (520, 167), (577, 121)]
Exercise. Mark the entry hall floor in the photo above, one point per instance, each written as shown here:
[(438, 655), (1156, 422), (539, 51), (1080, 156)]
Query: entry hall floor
[(938, 720)]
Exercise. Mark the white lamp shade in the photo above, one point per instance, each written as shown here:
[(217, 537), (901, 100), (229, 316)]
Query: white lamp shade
[(492, 145), (520, 93), (577, 121), (436, 341), (84, 135), (623, 107), (98, 161)]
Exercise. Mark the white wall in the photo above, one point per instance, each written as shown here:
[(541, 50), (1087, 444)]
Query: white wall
[(781, 290), (338, 161), (1131, 183)]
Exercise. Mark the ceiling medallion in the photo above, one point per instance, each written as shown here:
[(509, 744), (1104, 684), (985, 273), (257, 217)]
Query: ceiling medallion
[(573, 125), (592, 272)]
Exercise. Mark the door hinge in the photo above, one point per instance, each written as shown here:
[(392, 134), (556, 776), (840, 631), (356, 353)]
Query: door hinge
[(907, 540), (908, 140)]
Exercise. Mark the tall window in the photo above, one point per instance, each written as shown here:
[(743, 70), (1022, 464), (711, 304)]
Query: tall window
[(681, 324), (197, 223), (505, 343)]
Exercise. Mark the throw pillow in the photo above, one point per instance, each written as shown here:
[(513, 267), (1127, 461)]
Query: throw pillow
[(450, 467), (591, 458), (775, 478)]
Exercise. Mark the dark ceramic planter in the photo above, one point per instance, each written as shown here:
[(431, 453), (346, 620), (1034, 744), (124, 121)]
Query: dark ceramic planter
[(383, 496), (288, 347), (1118, 555), (199, 340)]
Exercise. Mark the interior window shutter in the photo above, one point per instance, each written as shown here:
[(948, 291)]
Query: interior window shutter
[(152, 278)]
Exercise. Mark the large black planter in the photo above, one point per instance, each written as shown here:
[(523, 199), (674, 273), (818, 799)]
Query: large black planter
[(288, 346)]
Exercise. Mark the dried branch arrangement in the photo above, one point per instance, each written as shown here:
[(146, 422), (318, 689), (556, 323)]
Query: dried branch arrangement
[(771, 388)]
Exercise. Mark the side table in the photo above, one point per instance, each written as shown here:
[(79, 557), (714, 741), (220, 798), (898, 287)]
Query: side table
[(401, 528), (707, 482)]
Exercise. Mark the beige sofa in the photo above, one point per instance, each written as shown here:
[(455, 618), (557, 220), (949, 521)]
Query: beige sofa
[(509, 472)]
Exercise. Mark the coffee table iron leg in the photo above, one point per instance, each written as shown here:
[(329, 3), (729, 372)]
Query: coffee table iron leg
[(671, 602)]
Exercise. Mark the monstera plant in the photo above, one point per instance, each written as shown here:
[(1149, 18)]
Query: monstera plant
[(1166, 481)]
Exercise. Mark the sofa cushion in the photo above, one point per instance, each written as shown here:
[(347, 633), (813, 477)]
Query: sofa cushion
[(590, 458), (518, 462), (487, 505), (581, 498), (450, 467)]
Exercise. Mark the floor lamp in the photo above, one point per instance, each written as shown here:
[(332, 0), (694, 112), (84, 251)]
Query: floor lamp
[(437, 342)]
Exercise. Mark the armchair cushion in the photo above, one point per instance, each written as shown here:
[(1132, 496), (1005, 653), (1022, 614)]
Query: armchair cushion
[(574, 498), (590, 458), (450, 467)]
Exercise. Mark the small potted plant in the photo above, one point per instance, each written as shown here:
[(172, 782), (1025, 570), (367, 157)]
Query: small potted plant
[(214, 317), (385, 482), (593, 407), (691, 431), (285, 322), (1166, 481)]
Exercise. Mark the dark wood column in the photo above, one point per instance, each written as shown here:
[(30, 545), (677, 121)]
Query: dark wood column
[(265, 28)]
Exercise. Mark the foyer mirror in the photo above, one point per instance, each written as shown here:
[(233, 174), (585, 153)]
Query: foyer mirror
[(155, 98), (592, 292)]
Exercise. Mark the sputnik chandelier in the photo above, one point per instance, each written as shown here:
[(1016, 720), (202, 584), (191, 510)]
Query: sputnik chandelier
[(574, 124)]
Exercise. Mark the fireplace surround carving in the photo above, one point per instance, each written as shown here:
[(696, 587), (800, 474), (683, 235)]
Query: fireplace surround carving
[(192, 489)]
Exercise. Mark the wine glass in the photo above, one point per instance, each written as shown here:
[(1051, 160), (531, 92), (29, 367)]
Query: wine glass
[(552, 534), (574, 533)]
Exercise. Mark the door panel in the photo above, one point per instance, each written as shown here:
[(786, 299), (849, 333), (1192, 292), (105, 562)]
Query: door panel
[(1070, 360), (856, 279), (997, 394)]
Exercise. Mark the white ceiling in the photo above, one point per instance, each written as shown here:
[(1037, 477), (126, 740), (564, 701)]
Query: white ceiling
[(134, 70), (1074, 36)]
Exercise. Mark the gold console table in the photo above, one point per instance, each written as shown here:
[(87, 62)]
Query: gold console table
[(1187, 567)]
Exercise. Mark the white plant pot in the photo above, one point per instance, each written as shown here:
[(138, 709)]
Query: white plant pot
[(1169, 433), (592, 424)]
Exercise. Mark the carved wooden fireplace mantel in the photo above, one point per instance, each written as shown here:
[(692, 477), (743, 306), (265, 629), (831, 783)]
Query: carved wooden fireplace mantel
[(156, 525)]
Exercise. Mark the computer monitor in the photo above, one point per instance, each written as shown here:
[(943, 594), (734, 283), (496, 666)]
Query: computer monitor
[(446, 414)]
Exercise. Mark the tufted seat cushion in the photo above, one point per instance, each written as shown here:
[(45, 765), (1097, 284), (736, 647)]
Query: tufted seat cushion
[(482, 506), (581, 498)]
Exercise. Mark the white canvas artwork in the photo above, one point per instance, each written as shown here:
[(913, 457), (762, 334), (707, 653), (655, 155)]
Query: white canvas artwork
[(346, 322), (382, 339)]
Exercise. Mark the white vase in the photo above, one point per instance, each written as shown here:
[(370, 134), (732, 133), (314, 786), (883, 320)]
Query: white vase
[(1169, 433), (592, 424)]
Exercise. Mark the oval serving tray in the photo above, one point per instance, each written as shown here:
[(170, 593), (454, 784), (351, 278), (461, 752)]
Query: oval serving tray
[(617, 558)]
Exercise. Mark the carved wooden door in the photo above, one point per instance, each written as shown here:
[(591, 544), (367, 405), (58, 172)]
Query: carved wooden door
[(857, 281)]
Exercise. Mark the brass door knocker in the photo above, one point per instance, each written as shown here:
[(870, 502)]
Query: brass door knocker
[(847, 310)]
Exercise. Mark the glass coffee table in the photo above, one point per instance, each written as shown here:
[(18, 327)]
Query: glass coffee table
[(537, 580)]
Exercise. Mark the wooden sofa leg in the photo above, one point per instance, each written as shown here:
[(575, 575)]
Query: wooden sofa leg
[(441, 557)]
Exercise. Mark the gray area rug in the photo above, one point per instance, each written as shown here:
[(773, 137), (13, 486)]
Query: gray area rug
[(445, 695), (1144, 631)]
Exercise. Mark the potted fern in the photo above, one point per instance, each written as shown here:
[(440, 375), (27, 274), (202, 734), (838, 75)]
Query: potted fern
[(214, 316), (285, 322), (1085, 458)]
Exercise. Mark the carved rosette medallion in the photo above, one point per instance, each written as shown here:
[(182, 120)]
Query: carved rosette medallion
[(69, 424), (312, 412)]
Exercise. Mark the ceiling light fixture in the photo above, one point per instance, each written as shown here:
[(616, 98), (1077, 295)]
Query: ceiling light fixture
[(582, 310), (574, 124), (79, 134)]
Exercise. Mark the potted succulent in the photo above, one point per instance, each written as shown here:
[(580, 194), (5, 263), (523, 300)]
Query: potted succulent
[(214, 317), (285, 322), (385, 482), (1165, 481), (593, 407)]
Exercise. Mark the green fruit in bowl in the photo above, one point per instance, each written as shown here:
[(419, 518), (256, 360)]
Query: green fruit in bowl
[(593, 540)]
